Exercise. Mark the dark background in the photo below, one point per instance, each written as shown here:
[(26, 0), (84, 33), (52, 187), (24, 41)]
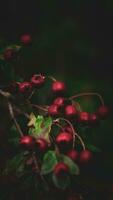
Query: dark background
[(72, 40)]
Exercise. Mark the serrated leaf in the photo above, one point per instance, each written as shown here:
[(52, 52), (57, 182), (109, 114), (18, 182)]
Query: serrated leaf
[(93, 148), (49, 162), (74, 169), (61, 183)]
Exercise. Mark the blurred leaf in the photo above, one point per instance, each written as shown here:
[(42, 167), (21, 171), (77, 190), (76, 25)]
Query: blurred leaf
[(14, 164), (61, 183), (74, 169), (93, 148), (49, 161)]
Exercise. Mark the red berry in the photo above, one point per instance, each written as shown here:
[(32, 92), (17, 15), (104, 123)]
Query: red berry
[(68, 129), (25, 87), (26, 39), (85, 156), (37, 80), (103, 112), (84, 117), (53, 110), (9, 54), (27, 142), (58, 86), (73, 155), (70, 111), (61, 170), (94, 120), (59, 101), (41, 145), (64, 141)]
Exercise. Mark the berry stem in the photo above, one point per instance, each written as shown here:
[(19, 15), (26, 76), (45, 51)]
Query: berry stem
[(77, 104), (52, 78), (74, 133), (39, 107), (6, 94), (14, 119), (88, 94)]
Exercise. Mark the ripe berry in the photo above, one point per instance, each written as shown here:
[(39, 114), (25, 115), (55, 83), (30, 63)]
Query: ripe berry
[(103, 112), (59, 101), (93, 118), (26, 39), (85, 156), (27, 142), (64, 141), (73, 155), (61, 170), (53, 110), (9, 54), (41, 145), (37, 80), (58, 86), (68, 129), (25, 87), (84, 117), (70, 111)]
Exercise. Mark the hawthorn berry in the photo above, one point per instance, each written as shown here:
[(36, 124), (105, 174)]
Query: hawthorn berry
[(84, 117), (37, 80), (73, 154), (85, 156), (53, 110), (27, 142), (61, 170), (41, 145), (59, 101), (93, 118), (26, 39), (58, 87), (103, 112), (25, 87), (64, 141), (70, 111)]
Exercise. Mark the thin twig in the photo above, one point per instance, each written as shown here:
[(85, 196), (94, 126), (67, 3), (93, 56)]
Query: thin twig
[(74, 133), (88, 94), (14, 119)]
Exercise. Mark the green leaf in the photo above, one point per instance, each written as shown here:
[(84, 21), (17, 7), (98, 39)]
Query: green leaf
[(49, 162), (42, 127), (74, 169), (14, 164), (93, 148), (62, 183)]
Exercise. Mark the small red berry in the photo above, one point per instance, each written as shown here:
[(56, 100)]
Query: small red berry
[(25, 87), (61, 170), (103, 112), (41, 145), (73, 155), (58, 86), (70, 111), (93, 118), (85, 156), (53, 110), (84, 117), (26, 39), (59, 101), (27, 142), (64, 141), (68, 129), (37, 80), (9, 54)]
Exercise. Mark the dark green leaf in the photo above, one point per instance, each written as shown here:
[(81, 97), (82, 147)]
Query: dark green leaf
[(74, 169), (49, 161), (61, 182), (93, 148)]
